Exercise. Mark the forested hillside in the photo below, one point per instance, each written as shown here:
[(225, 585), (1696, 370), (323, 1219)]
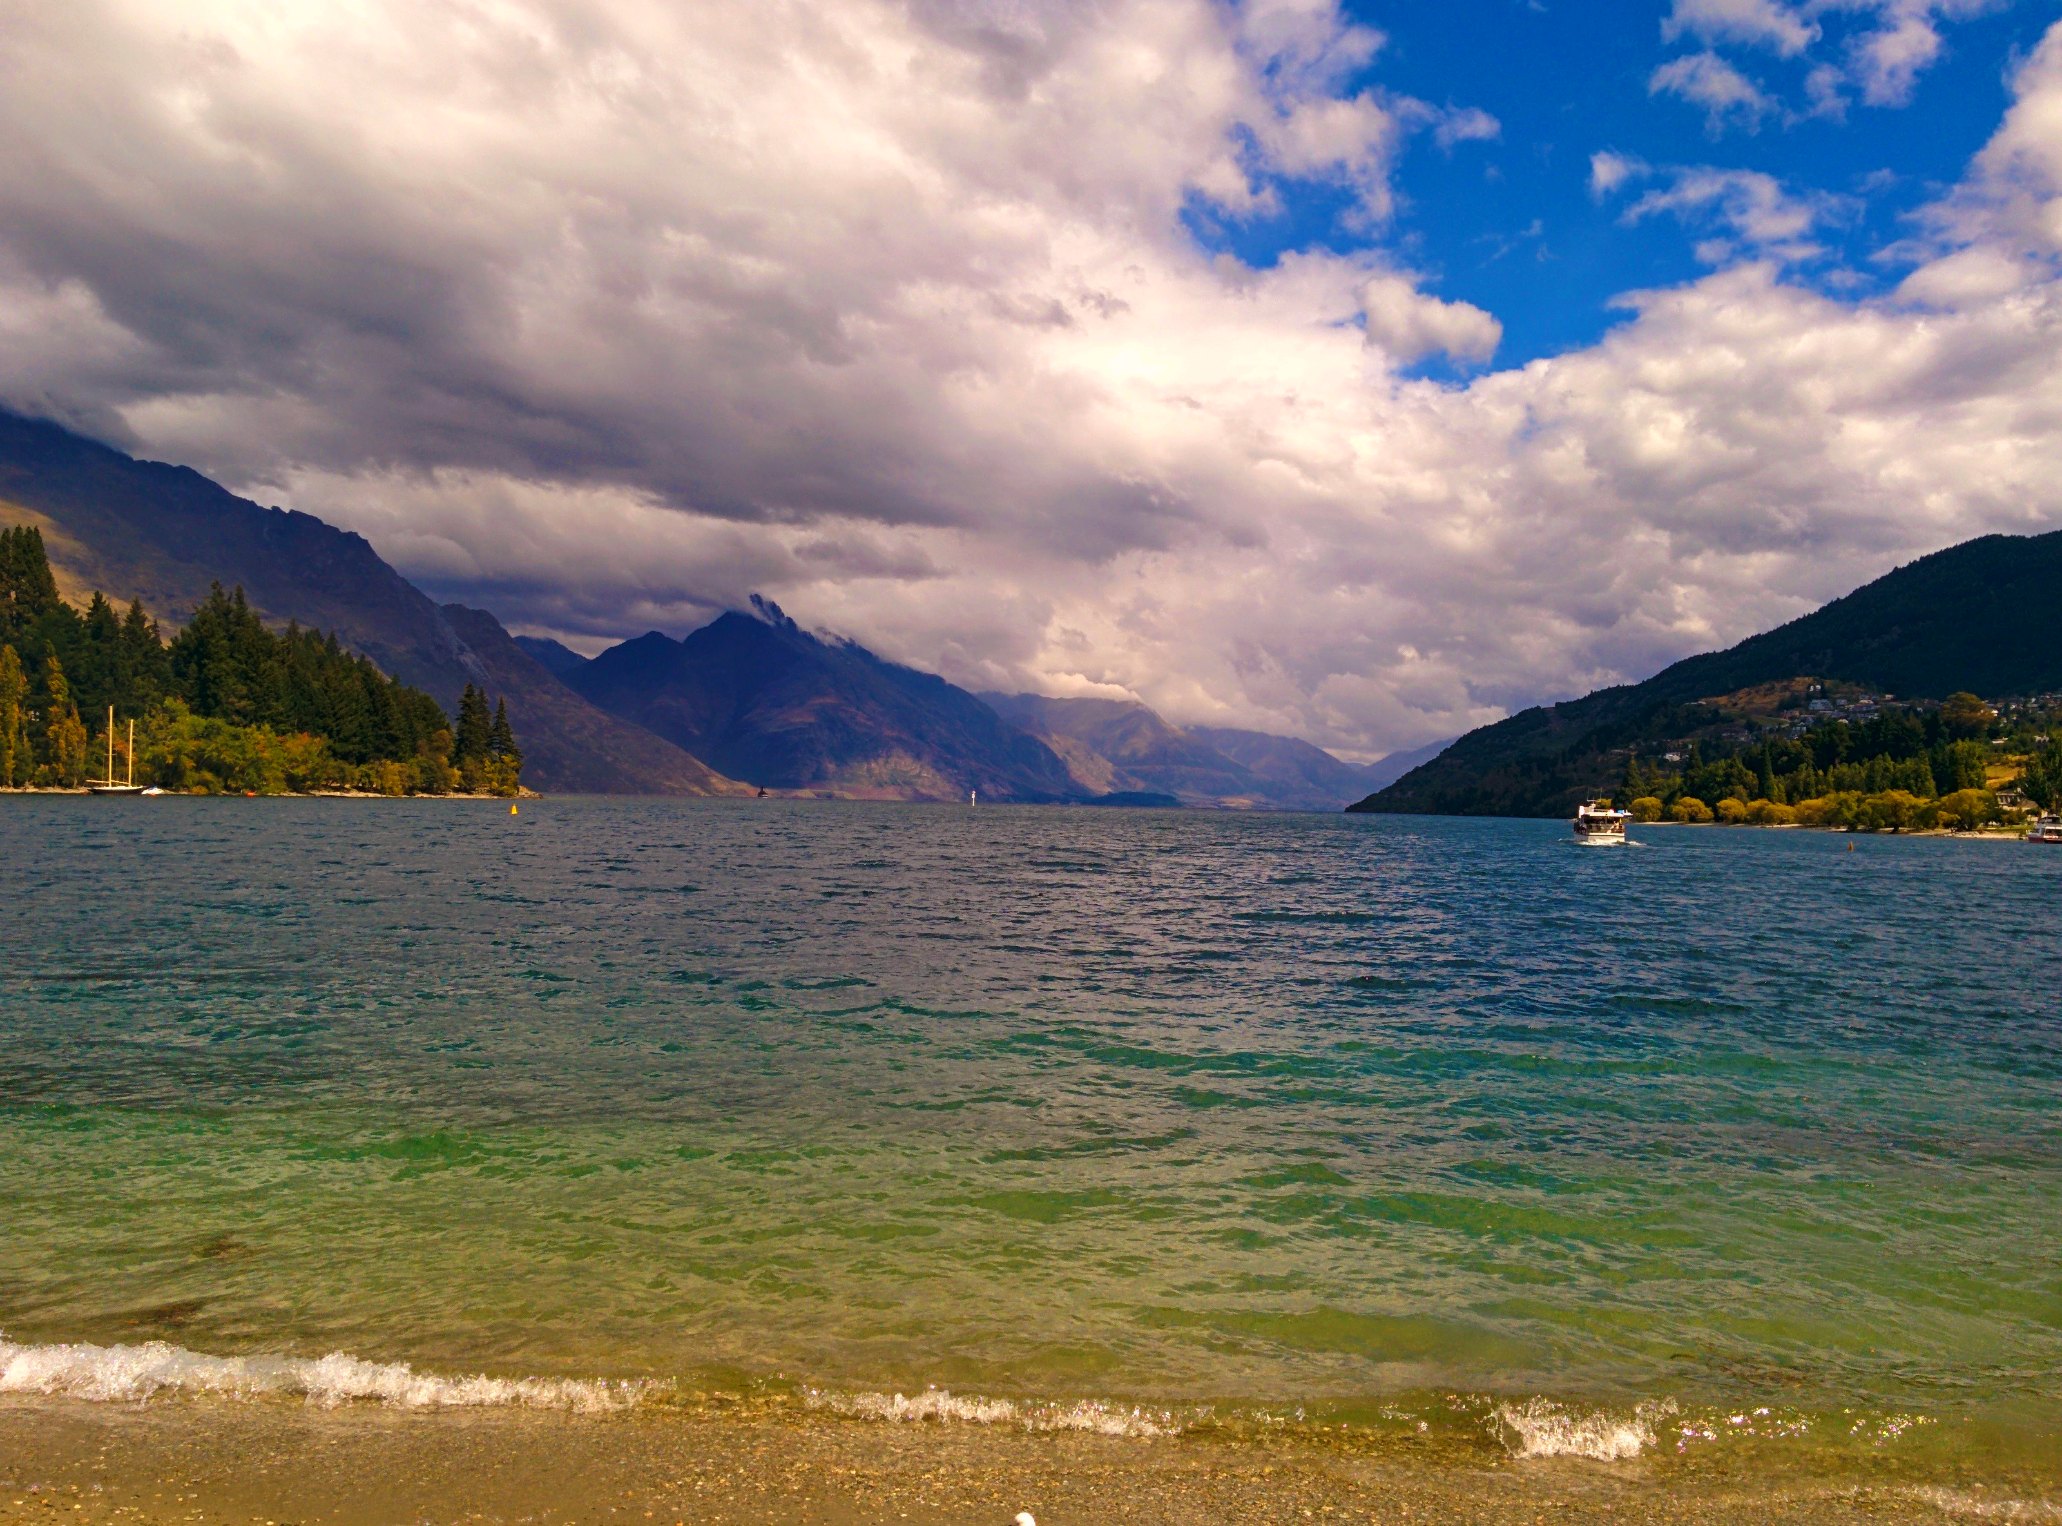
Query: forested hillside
[(1983, 617), (225, 705)]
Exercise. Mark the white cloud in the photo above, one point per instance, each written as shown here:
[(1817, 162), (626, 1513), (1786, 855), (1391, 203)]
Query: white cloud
[(1609, 169), (1726, 95), (1888, 61), (1470, 124), (1408, 324), (1762, 23), (1755, 210), (606, 314), (1881, 52)]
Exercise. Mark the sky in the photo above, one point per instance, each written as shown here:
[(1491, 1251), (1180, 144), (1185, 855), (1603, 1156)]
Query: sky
[(1363, 372)]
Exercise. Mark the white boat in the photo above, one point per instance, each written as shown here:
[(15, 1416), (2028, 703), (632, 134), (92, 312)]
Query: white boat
[(2047, 829), (1600, 824)]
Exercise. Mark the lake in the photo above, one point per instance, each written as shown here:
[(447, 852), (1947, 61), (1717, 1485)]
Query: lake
[(1133, 1121)]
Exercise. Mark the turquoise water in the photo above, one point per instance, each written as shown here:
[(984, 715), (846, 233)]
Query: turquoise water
[(1201, 1113)]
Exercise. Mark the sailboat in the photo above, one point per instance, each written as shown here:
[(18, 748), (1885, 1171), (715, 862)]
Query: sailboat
[(107, 786)]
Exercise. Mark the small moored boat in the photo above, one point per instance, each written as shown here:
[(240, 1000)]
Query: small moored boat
[(1600, 823), (2047, 829)]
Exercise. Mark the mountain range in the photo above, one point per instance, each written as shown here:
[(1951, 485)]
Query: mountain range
[(749, 701), (1984, 616)]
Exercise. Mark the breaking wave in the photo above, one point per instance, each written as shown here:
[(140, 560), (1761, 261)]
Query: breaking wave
[(938, 1405), (1542, 1428), (133, 1374)]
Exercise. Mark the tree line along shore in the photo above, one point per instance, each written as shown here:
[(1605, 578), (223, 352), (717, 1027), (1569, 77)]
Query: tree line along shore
[(226, 706), (1962, 765)]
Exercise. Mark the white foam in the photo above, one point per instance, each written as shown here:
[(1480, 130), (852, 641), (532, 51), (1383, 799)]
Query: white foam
[(133, 1374), (940, 1406), (1542, 1428)]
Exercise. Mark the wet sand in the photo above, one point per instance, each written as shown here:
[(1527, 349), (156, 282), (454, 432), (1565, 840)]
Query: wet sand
[(268, 1464)]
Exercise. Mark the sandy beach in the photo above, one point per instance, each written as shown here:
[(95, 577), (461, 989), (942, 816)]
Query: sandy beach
[(274, 1464)]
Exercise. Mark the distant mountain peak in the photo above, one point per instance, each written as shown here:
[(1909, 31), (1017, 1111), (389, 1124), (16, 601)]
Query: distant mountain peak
[(773, 615), (783, 708)]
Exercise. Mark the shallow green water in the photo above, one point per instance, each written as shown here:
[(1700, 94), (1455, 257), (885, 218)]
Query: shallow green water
[(1262, 1112)]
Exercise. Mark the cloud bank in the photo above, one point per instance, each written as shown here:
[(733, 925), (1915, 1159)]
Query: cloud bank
[(607, 313)]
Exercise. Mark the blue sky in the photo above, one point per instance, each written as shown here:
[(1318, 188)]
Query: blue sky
[(1511, 224)]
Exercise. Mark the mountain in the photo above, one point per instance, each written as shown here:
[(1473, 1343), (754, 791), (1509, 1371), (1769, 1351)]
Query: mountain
[(1984, 616), (1388, 770), (555, 657), (164, 534), (568, 743), (1296, 770), (1123, 748), (763, 700)]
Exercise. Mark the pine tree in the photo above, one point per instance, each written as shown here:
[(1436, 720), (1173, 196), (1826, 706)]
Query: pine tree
[(474, 739), (508, 758), (28, 590), (501, 742), (145, 666), (65, 733)]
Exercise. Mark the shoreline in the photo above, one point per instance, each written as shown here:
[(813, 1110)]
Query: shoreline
[(227, 1460), (2002, 834), (312, 794)]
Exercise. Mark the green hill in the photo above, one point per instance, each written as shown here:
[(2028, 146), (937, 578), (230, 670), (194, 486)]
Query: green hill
[(1984, 616)]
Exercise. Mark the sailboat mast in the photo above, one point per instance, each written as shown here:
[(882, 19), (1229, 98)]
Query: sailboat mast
[(110, 744), (129, 772)]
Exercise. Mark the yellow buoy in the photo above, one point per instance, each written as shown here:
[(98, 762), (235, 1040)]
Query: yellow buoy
[(511, 810)]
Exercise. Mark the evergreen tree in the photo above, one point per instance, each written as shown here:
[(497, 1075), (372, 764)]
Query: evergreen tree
[(64, 733), (501, 740), (474, 737), (28, 590), (508, 758)]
